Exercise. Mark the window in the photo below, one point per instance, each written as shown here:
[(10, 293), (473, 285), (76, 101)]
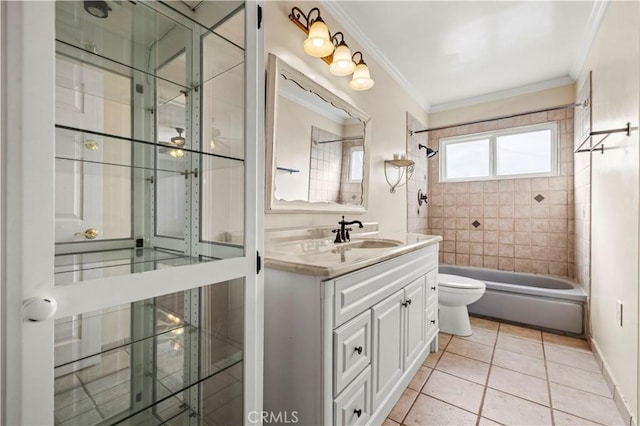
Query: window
[(356, 164), (518, 152)]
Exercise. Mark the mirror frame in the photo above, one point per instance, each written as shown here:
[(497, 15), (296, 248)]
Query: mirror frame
[(277, 67)]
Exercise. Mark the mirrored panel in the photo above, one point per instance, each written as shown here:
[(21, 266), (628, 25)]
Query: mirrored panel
[(316, 146)]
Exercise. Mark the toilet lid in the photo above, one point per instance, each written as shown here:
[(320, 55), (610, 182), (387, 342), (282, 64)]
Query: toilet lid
[(457, 281)]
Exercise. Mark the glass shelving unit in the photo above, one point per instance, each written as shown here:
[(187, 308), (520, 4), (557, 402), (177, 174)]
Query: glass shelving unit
[(149, 175), (175, 359), (149, 137)]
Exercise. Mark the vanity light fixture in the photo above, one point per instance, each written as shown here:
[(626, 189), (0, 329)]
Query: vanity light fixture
[(342, 62), (361, 78), (430, 152), (331, 49), (318, 42)]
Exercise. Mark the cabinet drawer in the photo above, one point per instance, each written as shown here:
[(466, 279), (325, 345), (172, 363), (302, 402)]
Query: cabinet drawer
[(353, 406), (432, 320), (432, 286), (362, 289), (351, 350)]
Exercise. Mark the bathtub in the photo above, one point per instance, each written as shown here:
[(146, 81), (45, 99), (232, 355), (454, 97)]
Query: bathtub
[(537, 300)]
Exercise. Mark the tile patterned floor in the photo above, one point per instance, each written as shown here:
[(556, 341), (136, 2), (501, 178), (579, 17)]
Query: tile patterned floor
[(507, 375)]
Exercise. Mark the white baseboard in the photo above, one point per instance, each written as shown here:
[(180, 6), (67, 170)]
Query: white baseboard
[(618, 398)]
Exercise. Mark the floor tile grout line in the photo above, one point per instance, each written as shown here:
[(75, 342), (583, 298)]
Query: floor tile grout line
[(546, 370), (404, 418), (486, 383), (579, 417)]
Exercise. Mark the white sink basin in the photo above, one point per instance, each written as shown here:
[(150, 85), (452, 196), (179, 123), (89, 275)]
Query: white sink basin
[(374, 244)]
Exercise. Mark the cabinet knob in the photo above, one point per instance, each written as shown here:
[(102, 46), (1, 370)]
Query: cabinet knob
[(433, 321), (433, 288), (358, 412), (358, 349)]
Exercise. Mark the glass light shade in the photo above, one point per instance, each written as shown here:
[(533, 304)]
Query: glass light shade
[(318, 43), (342, 63), (176, 153), (361, 79)]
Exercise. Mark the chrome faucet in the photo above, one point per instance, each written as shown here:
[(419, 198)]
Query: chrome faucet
[(342, 234)]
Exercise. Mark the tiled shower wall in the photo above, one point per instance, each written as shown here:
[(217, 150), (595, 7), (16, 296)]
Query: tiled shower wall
[(326, 166), (522, 225), (582, 184), (417, 216)]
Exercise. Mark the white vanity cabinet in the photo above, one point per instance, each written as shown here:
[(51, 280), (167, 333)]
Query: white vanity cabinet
[(341, 350)]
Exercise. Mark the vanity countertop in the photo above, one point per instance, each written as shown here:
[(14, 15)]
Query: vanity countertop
[(323, 258)]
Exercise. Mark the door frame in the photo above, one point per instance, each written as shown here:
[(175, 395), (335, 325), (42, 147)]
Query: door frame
[(28, 88)]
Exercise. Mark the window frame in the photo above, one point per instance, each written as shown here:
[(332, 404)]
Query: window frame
[(493, 136)]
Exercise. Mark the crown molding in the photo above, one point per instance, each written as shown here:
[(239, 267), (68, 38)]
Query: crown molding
[(503, 94), (591, 30), (342, 17)]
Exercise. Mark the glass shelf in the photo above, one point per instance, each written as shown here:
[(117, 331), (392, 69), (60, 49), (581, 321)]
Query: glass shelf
[(73, 144), (72, 268), (163, 373)]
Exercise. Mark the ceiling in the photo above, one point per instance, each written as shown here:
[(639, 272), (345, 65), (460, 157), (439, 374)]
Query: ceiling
[(455, 53)]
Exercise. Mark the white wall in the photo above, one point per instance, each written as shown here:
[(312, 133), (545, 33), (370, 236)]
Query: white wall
[(386, 103), (614, 61)]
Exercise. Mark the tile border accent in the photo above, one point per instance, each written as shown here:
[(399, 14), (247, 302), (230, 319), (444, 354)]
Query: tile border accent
[(618, 398)]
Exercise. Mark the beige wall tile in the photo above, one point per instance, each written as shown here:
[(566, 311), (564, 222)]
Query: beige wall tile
[(476, 236), (522, 185), (462, 211), (462, 259), (558, 268), (539, 184), (539, 225), (505, 250), (540, 211), (490, 199), (491, 236), (522, 198), (523, 265), (462, 199), (506, 237), (476, 212), (462, 223), (490, 186), (522, 238), (476, 248), (462, 247), (522, 252), (506, 225), (462, 187), (506, 185), (522, 225), (540, 239), (506, 263), (476, 199), (490, 211), (490, 261), (506, 212), (476, 260), (449, 258), (476, 187), (491, 224), (540, 266), (522, 212)]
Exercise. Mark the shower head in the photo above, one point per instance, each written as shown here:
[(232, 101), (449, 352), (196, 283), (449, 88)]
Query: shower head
[(430, 152)]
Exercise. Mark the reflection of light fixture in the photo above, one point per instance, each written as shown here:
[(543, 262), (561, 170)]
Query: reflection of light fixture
[(342, 63), (430, 152), (361, 78), (176, 153), (320, 43), (179, 140), (97, 8)]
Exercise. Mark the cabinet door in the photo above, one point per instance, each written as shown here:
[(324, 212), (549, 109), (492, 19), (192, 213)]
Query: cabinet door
[(28, 193), (386, 359), (415, 326)]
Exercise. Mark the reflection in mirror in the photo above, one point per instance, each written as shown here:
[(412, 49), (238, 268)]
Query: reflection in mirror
[(316, 146)]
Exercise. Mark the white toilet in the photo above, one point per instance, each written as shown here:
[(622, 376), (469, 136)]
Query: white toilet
[(454, 294)]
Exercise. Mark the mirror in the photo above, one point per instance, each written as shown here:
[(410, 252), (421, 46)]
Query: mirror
[(316, 146)]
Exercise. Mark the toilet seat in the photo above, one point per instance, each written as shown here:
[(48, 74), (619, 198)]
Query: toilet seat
[(459, 282)]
